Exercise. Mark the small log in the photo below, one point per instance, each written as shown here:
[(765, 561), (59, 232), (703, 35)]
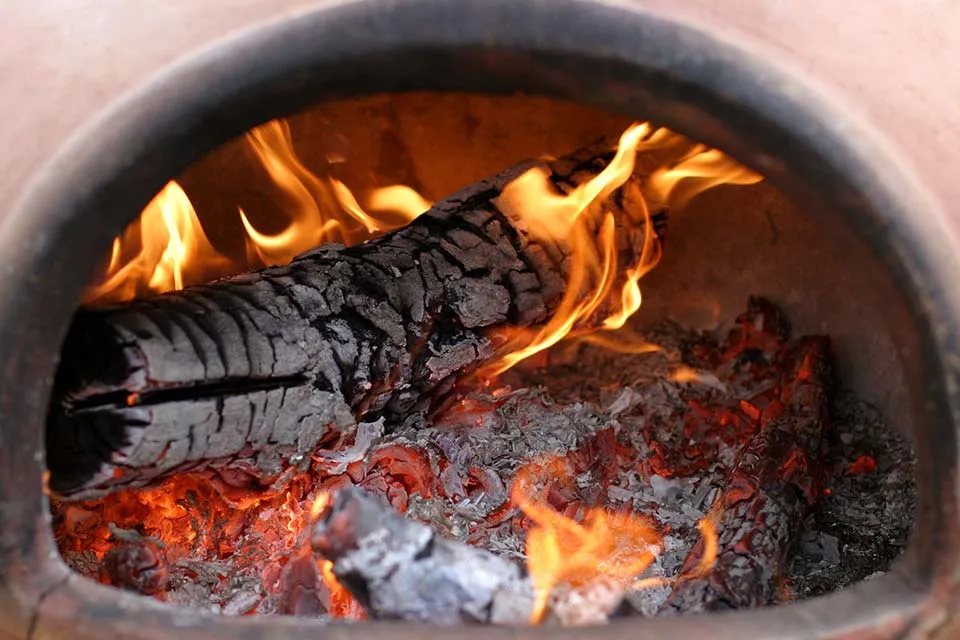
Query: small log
[(253, 372), (773, 485), (399, 569)]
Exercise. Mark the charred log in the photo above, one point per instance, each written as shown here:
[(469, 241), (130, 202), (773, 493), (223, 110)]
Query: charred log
[(770, 491), (399, 569), (251, 373)]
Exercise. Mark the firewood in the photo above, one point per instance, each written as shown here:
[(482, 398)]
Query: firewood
[(251, 373), (399, 569), (772, 487)]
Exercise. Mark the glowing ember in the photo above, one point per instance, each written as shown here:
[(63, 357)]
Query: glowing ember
[(595, 494)]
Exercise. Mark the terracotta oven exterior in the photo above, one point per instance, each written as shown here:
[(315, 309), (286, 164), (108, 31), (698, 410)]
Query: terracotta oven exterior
[(852, 110)]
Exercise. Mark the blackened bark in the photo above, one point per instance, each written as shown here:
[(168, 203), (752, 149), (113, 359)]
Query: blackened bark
[(253, 372), (399, 569), (770, 491)]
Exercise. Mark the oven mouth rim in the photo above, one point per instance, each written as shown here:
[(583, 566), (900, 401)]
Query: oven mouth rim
[(205, 86)]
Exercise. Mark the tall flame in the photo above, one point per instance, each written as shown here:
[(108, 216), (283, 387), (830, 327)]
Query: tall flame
[(593, 271), (555, 217), (169, 251), (321, 209)]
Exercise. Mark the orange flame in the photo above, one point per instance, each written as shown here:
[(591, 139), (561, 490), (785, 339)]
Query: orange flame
[(610, 546), (398, 198), (711, 547), (321, 209), (320, 505), (342, 602), (700, 169), (167, 249), (170, 247), (556, 217), (594, 272)]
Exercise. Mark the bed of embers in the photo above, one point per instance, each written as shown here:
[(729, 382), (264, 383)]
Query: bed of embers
[(655, 471), (661, 476)]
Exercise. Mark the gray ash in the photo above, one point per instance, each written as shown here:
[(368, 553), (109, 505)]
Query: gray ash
[(864, 517)]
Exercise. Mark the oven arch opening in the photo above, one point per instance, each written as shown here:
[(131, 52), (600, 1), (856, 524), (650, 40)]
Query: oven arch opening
[(609, 55)]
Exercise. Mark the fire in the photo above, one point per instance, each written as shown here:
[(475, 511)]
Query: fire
[(613, 547), (321, 209), (194, 518), (399, 198), (320, 505), (711, 546), (606, 547), (707, 168), (342, 604), (166, 249), (595, 282)]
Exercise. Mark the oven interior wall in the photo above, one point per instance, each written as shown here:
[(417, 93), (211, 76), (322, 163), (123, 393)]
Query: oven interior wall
[(728, 243)]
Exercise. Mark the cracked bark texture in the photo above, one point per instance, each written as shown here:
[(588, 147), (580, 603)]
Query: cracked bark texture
[(771, 489), (250, 374)]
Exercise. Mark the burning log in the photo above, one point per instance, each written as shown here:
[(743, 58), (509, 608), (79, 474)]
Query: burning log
[(251, 373), (770, 491), (400, 569)]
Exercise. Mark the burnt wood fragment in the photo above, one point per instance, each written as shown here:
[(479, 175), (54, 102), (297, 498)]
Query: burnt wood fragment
[(771, 489), (251, 373), (399, 569), (302, 590), (135, 566)]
